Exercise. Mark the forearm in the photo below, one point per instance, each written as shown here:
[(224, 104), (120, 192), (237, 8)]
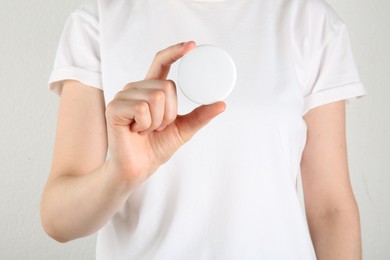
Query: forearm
[(77, 206), (337, 235)]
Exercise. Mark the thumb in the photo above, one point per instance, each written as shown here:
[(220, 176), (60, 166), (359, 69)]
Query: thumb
[(189, 124)]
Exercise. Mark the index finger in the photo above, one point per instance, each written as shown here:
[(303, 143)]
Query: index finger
[(165, 58)]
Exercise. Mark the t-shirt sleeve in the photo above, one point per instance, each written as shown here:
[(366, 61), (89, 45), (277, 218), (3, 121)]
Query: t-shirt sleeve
[(332, 74), (78, 51)]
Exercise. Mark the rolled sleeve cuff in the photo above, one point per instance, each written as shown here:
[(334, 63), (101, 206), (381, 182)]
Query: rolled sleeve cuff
[(89, 78), (348, 92)]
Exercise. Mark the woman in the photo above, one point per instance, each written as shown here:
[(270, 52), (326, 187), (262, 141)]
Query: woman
[(229, 192)]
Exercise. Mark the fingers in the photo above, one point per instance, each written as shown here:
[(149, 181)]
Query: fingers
[(160, 95), (165, 58), (154, 96), (126, 112), (189, 124)]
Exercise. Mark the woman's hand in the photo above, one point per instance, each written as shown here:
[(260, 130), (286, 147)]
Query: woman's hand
[(143, 127)]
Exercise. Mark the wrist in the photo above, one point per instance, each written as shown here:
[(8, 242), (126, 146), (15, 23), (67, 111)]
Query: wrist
[(116, 184)]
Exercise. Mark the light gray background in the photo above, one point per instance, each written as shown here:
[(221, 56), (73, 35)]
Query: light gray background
[(30, 31)]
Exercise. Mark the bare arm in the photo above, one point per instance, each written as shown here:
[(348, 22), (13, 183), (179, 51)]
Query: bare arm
[(77, 189), (142, 132), (331, 208)]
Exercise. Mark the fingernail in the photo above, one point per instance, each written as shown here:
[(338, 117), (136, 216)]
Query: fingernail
[(134, 128), (143, 133), (183, 44), (161, 128)]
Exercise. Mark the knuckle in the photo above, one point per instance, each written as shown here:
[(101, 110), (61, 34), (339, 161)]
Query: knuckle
[(169, 85), (169, 118), (129, 85), (118, 95), (141, 107), (111, 108), (159, 54), (157, 96), (111, 105)]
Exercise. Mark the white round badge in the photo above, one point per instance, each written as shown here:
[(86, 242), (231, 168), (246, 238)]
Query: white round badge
[(206, 74)]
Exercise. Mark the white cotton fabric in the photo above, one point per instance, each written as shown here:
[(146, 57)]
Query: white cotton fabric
[(229, 193)]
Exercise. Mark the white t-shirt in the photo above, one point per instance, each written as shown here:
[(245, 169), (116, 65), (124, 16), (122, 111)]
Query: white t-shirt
[(230, 192)]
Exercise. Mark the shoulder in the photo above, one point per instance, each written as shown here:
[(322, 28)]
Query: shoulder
[(89, 8), (322, 21), (99, 8), (315, 18), (321, 16), (320, 9)]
